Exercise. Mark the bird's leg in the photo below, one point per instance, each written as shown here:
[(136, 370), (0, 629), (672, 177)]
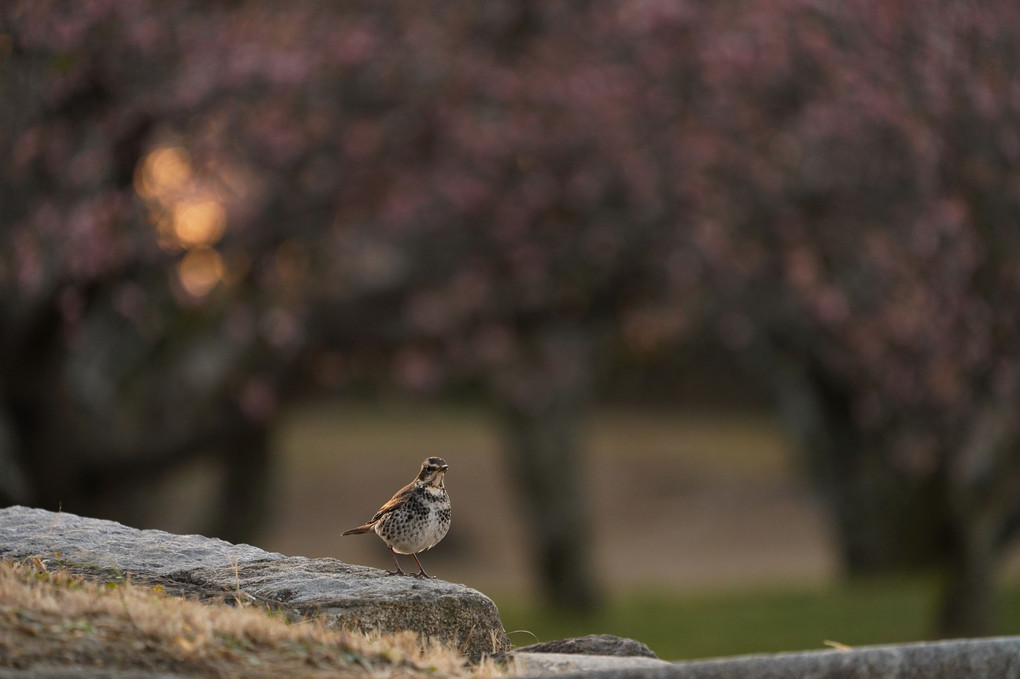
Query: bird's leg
[(397, 564), (421, 574)]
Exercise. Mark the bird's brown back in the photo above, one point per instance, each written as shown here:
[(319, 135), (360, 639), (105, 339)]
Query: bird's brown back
[(400, 498)]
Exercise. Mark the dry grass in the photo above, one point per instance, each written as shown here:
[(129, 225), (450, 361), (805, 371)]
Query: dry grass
[(52, 618)]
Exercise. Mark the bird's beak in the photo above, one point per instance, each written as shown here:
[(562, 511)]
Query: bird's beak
[(444, 467)]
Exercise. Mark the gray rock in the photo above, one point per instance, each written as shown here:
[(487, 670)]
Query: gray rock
[(995, 658), (352, 597), (593, 644), (110, 546), (539, 664)]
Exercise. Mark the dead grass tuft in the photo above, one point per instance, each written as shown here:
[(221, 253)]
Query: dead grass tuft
[(53, 618)]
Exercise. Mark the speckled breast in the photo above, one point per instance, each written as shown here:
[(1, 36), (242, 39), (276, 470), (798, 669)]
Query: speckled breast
[(419, 524)]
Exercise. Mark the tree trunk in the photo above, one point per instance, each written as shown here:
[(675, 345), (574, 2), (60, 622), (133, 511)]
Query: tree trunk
[(968, 605), (953, 518), (542, 400), (247, 482), (885, 521), (31, 377), (982, 487)]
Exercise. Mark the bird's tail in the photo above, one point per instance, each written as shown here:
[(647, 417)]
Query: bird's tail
[(360, 529)]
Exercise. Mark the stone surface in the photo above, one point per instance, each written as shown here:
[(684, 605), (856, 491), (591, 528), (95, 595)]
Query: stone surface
[(110, 546), (540, 664), (995, 658), (352, 597), (593, 644)]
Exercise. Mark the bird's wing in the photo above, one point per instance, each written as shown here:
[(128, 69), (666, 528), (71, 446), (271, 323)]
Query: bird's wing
[(397, 500)]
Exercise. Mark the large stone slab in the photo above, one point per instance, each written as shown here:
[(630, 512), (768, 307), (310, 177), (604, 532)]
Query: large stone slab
[(352, 597), (111, 546), (994, 658)]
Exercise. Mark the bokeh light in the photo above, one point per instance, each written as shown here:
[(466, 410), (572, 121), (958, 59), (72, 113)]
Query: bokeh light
[(186, 216), (199, 222), (164, 175), (200, 270)]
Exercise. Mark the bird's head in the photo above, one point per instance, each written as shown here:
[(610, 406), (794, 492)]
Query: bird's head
[(432, 471)]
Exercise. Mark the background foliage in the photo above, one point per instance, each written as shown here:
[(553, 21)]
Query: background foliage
[(207, 206)]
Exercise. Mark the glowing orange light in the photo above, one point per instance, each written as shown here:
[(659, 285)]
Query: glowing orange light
[(199, 222), (163, 174), (200, 270)]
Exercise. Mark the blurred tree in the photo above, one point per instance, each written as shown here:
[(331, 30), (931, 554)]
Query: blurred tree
[(114, 366), (858, 225), (204, 200)]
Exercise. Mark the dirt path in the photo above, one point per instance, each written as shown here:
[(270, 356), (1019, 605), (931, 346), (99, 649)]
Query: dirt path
[(684, 501)]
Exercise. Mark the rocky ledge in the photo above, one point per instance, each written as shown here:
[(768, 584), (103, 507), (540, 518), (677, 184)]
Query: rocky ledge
[(344, 596), (997, 658), (355, 597)]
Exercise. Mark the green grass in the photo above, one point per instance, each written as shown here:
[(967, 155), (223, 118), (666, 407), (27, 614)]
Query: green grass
[(679, 627)]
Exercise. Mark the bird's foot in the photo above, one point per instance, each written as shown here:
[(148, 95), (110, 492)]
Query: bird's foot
[(424, 575), (396, 572)]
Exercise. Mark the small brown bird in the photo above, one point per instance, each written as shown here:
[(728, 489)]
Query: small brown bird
[(416, 518)]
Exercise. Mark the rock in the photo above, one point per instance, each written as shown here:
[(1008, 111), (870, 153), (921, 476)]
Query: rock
[(110, 546), (538, 664), (593, 644), (583, 654), (963, 659), (352, 597)]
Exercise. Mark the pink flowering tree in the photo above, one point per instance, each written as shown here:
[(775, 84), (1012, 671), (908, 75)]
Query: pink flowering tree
[(857, 203), (207, 205)]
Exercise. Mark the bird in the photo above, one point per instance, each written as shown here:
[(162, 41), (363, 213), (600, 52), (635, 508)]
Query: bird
[(416, 518)]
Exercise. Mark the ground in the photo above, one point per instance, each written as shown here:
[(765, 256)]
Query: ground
[(680, 501), (707, 540)]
